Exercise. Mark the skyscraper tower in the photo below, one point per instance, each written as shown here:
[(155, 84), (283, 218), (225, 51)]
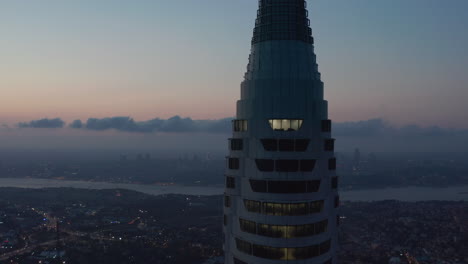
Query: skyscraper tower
[(281, 197)]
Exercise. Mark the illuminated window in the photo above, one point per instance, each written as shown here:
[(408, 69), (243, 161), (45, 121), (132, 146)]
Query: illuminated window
[(277, 209), (248, 226), (286, 124), (269, 252), (230, 182), (233, 163), (284, 209), (276, 253), (244, 246), (239, 125), (284, 231), (236, 144), (316, 207), (253, 206)]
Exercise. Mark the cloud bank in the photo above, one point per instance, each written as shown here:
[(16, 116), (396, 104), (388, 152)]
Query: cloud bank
[(372, 135), (43, 123), (177, 124), (174, 124)]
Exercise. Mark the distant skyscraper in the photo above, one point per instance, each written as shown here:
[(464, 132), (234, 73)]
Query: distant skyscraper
[(281, 194)]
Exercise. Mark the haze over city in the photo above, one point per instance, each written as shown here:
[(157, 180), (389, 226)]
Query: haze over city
[(400, 62)]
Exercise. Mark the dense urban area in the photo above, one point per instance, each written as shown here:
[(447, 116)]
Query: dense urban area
[(357, 170), (118, 226)]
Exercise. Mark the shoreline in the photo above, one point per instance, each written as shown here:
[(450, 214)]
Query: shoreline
[(410, 193), (172, 184)]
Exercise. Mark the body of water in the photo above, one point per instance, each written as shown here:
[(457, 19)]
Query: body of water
[(455, 193)]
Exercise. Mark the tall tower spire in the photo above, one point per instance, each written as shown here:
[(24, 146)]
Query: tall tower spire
[(282, 20), (281, 186)]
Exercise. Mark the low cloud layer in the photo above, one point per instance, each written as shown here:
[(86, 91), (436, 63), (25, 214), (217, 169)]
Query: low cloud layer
[(378, 127), (43, 123), (76, 124), (174, 124), (366, 128), (371, 135)]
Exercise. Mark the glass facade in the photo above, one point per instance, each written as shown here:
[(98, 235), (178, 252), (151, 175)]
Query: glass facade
[(227, 201), (287, 165), (282, 20), (302, 145), (276, 253), (233, 163), (337, 201), (230, 182), (329, 145), (332, 164), (326, 126), (334, 183), (253, 206), (285, 145), (248, 226), (283, 231), (236, 144), (264, 186), (270, 144), (307, 165), (286, 124), (267, 165), (239, 125), (284, 209), (238, 261)]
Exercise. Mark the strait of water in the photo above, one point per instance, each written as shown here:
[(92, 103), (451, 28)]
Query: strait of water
[(454, 193)]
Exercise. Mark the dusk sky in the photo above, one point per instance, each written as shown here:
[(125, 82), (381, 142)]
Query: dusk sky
[(404, 61)]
